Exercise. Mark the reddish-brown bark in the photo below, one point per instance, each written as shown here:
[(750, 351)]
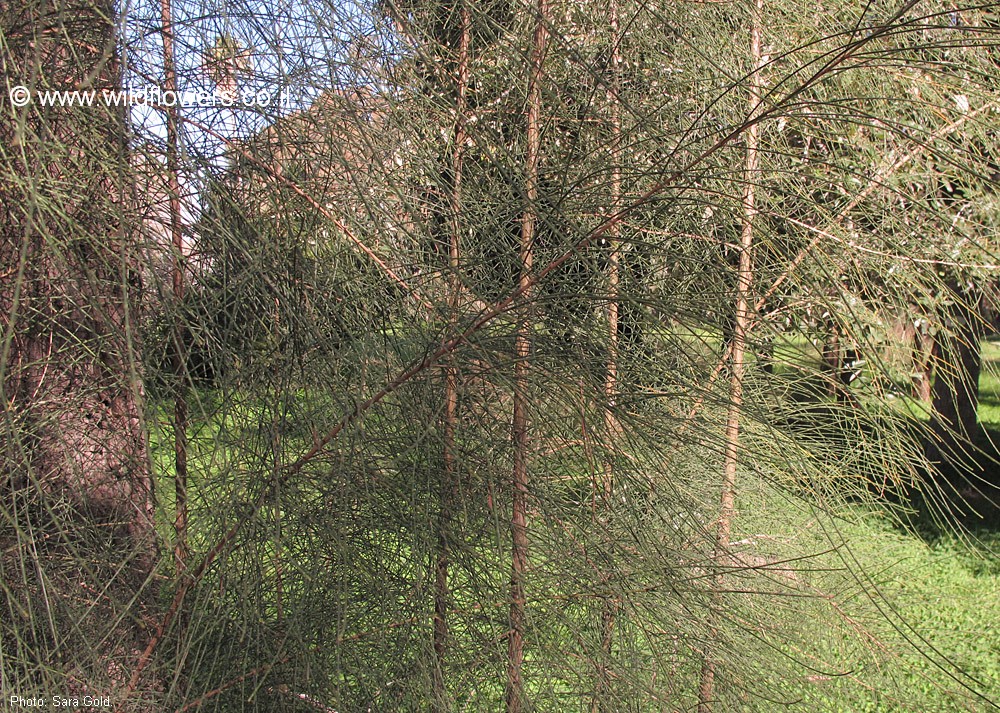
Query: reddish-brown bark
[(742, 325), (515, 694), (74, 467), (67, 303), (450, 485)]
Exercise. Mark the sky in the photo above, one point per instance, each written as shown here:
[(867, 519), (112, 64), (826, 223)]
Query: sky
[(296, 49)]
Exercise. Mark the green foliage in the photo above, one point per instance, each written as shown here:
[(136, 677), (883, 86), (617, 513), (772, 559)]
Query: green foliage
[(338, 374)]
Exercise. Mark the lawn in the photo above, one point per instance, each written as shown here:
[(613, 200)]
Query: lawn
[(938, 589), (883, 617)]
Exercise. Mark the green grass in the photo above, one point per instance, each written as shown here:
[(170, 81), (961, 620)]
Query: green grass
[(935, 647), (928, 604), (989, 387)]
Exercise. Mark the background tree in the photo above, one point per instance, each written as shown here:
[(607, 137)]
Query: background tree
[(363, 319)]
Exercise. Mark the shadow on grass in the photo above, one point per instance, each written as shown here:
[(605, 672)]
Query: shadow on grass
[(964, 490), (961, 493), (970, 480)]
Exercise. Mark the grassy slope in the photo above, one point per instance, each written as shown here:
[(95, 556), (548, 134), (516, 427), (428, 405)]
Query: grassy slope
[(937, 647)]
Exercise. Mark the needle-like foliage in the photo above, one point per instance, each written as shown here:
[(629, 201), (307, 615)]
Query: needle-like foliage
[(398, 356)]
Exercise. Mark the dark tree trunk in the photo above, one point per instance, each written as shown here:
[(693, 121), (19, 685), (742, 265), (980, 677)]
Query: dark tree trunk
[(765, 355), (957, 363), (840, 364), (75, 466)]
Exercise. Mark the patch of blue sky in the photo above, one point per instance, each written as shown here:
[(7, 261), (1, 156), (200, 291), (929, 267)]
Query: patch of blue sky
[(294, 51)]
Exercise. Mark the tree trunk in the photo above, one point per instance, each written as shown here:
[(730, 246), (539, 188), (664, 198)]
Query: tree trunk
[(450, 485), (515, 696), (832, 360), (922, 371), (69, 361), (180, 337), (741, 323), (611, 426), (957, 363), (72, 442)]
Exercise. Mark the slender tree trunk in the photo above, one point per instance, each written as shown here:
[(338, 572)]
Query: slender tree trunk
[(832, 359), (278, 419), (178, 360), (744, 285), (522, 350), (450, 485), (611, 425)]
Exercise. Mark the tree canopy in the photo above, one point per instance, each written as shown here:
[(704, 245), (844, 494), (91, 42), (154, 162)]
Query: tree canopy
[(524, 356)]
